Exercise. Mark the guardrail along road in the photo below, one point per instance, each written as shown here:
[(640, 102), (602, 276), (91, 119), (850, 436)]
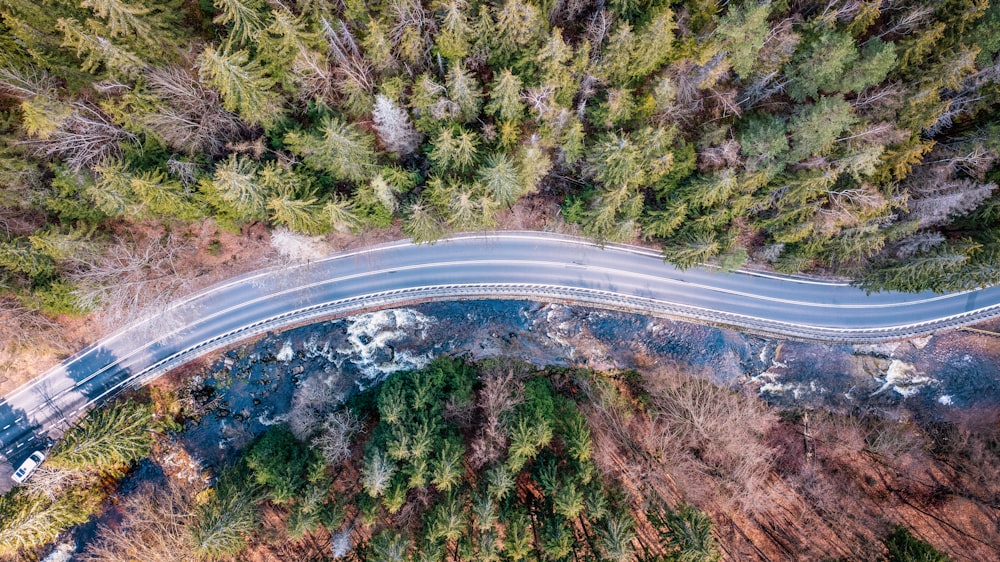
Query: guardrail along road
[(502, 265)]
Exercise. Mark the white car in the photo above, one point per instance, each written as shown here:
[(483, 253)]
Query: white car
[(28, 466)]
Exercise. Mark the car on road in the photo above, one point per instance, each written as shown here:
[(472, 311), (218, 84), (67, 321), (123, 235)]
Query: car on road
[(27, 467)]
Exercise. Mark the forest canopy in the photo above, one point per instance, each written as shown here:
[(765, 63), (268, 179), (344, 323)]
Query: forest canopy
[(854, 137), (501, 461)]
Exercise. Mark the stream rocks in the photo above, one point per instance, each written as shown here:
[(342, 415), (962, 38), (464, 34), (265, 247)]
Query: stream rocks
[(931, 373), (312, 368)]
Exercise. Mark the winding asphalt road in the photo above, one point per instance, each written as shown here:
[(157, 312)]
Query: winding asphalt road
[(502, 265)]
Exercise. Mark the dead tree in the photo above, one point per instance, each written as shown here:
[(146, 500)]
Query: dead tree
[(84, 139), (190, 117), (155, 528), (133, 278)]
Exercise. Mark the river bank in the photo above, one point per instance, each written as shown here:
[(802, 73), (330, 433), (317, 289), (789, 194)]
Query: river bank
[(856, 438), (253, 386), (828, 397)]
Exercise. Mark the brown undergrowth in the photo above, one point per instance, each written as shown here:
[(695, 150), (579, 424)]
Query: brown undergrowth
[(779, 485), (799, 485)]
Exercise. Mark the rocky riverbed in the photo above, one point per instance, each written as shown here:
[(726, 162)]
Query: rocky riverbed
[(254, 386)]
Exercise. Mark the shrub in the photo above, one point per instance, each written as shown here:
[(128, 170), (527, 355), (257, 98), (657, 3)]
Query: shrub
[(902, 546), (282, 463)]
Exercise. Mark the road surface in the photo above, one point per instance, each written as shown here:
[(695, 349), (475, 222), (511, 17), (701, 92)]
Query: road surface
[(520, 265)]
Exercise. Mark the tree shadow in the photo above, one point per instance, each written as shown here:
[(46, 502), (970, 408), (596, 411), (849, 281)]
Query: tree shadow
[(32, 419), (93, 374), (18, 438)]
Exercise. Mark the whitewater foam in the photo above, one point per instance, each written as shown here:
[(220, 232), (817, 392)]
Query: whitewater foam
[(904, 379), (371, 337), (286, 353)]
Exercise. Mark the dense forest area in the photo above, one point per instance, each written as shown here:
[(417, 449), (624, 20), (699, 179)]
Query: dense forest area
[(857, 137), (501, 461)]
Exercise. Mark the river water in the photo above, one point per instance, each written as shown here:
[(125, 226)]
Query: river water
[(255, 386)]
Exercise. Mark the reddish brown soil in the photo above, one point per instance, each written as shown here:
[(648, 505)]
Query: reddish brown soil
[(835, 500)]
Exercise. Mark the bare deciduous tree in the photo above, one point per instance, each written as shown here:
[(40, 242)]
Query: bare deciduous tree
[(936, 196), (314, 76), (334, 441), (52, 482), (724, 155), (413, 31), (891, 440), (377, 474), (353, 71), (133, 278), (502, 391), (186, 172), (708, 431), (28, 329), (190, 117), (311, 403), (155, 528), (920, 242), (84, 139), (25, 84)]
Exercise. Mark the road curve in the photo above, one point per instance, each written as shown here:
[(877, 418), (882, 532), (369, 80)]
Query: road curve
[(500, 265)]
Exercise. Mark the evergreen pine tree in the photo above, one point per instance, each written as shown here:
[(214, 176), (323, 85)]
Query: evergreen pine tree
[(228, 517), (122, 18), (341, 214), (447, 466), (464, 91), (28, 522), (501, 179), (245, 19), (505, 97), (300, 214), (454, 38), (816, 127), (245, 88), (421, 224), (691, 250), (616, 537), (340, 149), (236, 191), (108, 439), (97, 52), (742, 33)]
